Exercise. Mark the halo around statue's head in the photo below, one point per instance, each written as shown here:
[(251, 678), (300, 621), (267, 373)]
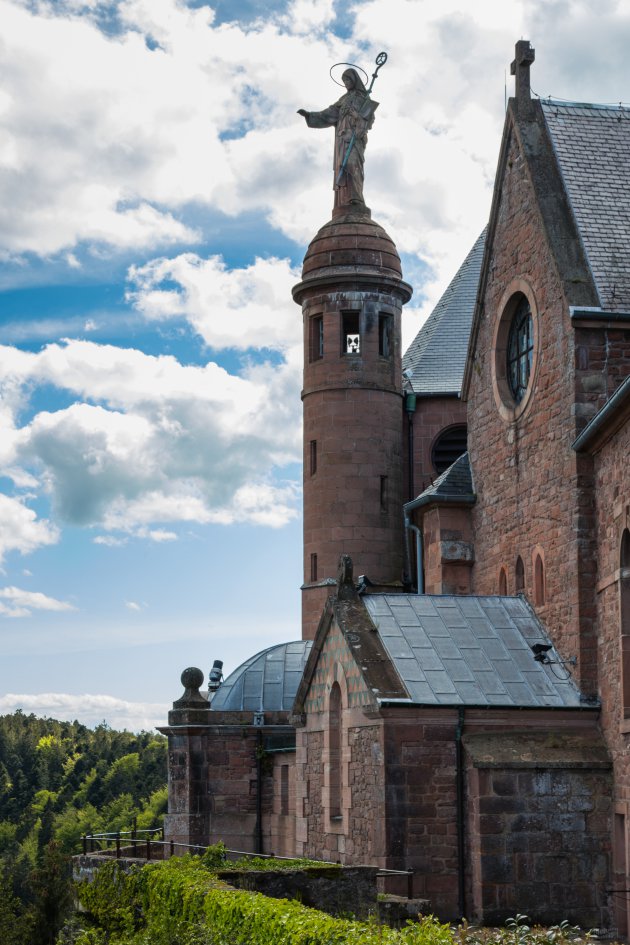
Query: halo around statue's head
[(352, 65)]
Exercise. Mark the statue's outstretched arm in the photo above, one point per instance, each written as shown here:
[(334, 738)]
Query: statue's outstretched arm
[(329, 116)]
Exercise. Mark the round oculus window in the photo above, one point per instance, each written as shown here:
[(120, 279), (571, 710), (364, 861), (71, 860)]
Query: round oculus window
[(520, 350)]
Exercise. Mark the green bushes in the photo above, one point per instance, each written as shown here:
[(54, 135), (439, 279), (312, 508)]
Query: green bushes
[(181, 901)]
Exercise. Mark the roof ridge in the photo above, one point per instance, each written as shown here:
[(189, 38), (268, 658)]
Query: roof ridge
[(562, 102)]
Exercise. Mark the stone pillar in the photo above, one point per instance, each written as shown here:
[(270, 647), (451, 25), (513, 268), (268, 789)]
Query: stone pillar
[(187, 820), (351, 295)]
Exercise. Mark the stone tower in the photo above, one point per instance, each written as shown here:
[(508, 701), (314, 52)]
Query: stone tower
[(351, 295)]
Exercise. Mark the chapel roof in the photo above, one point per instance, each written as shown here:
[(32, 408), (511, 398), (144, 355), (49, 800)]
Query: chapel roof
[(266, 682), (465, 650), (437, 355), (453, 486), (592, 146)]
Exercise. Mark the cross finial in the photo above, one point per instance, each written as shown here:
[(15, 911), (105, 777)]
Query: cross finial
[(345, 579), (524, 55)]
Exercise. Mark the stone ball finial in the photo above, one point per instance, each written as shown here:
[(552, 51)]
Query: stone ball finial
[(192, 679)]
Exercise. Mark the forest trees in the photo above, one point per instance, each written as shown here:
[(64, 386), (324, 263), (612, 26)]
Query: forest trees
[(58, 781)]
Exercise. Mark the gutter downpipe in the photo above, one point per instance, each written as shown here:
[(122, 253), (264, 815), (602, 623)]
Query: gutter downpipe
[(459, 781), (259, 826), (409, 526)]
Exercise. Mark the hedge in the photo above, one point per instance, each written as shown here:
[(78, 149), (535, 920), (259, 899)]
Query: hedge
[(181, 902)]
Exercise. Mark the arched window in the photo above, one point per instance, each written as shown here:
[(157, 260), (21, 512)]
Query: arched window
[(503, 582), (624, 620), (334, 751), (519, 575), (539, 581)]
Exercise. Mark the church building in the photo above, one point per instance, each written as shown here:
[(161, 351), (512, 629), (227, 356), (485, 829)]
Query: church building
[(459, 703)]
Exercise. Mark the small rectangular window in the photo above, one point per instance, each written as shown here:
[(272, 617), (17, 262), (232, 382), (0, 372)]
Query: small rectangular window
[(316, 338), (350, 333), (313, 457), (384, 493), (313, 568), (385, 335)]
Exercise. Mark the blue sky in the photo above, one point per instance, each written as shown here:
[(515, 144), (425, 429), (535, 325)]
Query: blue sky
[(157, 193)]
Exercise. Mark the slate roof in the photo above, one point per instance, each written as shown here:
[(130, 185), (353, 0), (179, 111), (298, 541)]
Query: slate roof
[(471, 651), (437, 355), (455, 485), (266, 682), (592, 144)]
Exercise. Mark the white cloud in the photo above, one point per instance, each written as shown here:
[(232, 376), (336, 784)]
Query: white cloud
[(230, 308), (164, 443), (133, 606), (158, 535), (110, 541), (15, 602), (91, 710), (21, 530)]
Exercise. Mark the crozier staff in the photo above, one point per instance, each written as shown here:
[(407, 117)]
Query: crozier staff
[(352, 116)]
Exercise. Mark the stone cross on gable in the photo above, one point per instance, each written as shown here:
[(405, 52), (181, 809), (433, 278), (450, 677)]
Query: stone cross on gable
[(523, 58)]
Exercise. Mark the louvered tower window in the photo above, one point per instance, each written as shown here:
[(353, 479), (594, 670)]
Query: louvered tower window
[(448, 447)]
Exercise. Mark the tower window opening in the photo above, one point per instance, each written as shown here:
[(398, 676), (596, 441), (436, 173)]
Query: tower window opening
[(316, 338), (350, 333), (313, 457), (313, 567), (383, 493), (385, 335), (503, 583)]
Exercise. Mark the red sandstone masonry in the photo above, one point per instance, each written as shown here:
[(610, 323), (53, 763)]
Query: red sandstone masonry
[(612, 491), (531, 489)]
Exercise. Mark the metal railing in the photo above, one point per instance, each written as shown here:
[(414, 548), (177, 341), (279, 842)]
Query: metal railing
[(127, 844)]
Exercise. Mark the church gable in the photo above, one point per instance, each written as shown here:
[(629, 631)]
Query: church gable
[(336, 653), (522, 393), (347, 640)]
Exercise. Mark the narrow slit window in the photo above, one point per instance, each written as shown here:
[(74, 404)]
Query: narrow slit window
[(313, 457), (383, 493), (503, 583), (334, 752), (350, 333), (539, 581), (519, 575), (316, 339), (313, 567), (284, 789), (385, 335)]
